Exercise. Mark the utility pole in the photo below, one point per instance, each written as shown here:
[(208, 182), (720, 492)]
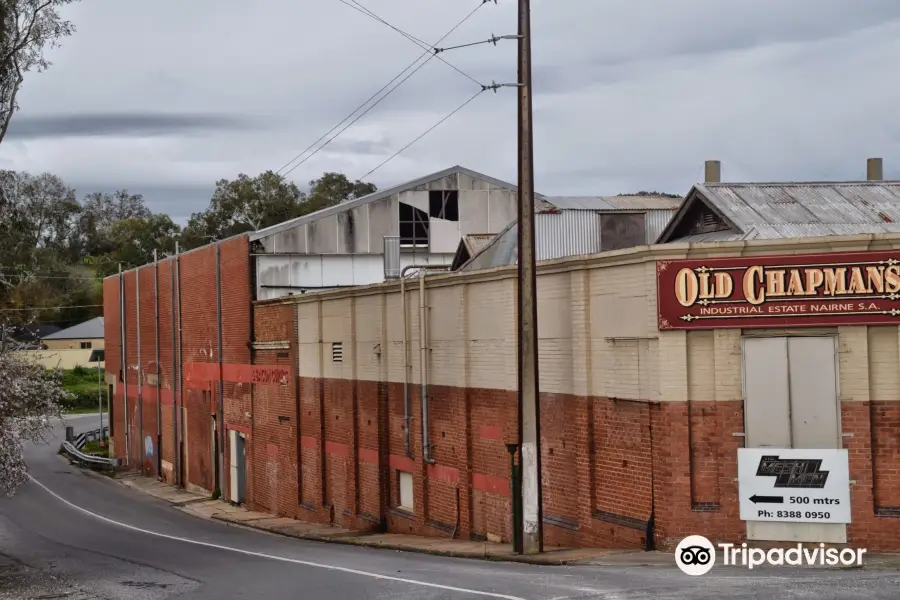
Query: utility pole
[(529, 388)]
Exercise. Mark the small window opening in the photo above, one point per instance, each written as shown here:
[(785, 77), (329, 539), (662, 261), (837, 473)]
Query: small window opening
[(444, 204), (85, 345), (337, 352)]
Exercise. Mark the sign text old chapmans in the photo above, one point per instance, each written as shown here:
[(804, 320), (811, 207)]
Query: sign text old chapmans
[(859, 288)]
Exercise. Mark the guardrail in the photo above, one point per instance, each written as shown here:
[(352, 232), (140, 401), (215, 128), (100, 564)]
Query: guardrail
[(77, 456), (90, 436)]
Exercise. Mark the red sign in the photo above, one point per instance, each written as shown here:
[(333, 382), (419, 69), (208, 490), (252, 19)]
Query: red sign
[(812, 290)]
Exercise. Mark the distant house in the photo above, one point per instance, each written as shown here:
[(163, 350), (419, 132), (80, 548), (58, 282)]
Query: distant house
[(84, 336)]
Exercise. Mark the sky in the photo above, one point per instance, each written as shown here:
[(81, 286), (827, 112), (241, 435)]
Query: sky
[(164, 98)]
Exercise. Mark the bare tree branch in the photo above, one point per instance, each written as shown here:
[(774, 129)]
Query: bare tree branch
[(29, 28)]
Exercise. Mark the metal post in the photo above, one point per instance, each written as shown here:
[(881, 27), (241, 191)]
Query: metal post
[(123, 341), (100, 395), (140, 372), (158, 374), (220, 421), (529, 388)]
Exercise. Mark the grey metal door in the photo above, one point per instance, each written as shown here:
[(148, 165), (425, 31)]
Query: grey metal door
[(791, 401)]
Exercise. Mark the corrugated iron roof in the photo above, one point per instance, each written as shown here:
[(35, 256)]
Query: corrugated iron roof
[(644, 202), (355, 202), (580, 202), (636, 202), (787, 210)]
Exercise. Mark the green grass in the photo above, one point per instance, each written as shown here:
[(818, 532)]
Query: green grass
[(82, 383), (96, 448)]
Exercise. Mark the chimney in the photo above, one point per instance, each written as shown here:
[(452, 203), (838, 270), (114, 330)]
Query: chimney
[(713, 172), (874, 169)]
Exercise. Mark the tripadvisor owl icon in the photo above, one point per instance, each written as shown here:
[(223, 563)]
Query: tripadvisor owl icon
[(695, 555)]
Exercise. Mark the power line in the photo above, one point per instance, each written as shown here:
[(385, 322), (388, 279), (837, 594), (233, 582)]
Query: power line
[(29, 276), (375, 95), (369, 13), (51, 307), (426, 132)]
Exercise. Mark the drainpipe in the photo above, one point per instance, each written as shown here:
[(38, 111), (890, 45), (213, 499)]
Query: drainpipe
[(174, 371), (158, 374), (407, 363), (124, 357), (221, 418), (423, 368), (179, 401), (140, 373)]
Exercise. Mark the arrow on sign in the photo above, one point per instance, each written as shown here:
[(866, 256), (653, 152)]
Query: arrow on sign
[(767, 499)]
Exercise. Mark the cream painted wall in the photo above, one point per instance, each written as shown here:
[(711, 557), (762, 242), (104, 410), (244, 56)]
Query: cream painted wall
[(96, 344), (64, 359), (597, 330)]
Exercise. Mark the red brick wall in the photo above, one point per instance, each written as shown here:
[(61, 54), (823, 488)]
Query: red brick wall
[(326, 450), (113, 354), (199, 356)]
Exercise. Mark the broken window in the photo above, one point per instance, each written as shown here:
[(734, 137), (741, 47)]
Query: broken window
[(444, 204), (413, 226)]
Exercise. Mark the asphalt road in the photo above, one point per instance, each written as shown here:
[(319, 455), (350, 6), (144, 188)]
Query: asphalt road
[(81, 537)]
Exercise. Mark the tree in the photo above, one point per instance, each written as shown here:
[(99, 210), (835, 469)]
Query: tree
[(333, 188), (29, 28), (29, 396), (36, 223), (252, 203), (244, 204), (135, 239), (100, 211)]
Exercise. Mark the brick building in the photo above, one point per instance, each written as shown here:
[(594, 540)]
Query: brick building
[(369, 408)]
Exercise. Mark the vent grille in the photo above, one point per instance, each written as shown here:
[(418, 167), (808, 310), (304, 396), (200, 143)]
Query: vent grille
[(337, 352)]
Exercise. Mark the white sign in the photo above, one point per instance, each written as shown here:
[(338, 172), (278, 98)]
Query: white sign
[(793, 485)]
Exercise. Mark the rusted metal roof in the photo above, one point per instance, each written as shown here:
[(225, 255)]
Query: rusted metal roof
[(790, 210)]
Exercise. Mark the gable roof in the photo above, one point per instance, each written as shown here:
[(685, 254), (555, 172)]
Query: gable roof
[(89, 330), (375, 196), (745, 211), (33, 332)]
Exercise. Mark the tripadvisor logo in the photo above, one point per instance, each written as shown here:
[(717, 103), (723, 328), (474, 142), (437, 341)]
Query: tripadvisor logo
[(696, 555)]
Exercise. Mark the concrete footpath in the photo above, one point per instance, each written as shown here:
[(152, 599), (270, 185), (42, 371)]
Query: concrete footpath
[(200, 505)]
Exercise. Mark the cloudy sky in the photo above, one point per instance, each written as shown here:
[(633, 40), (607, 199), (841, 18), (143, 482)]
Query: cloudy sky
[(166, 97)]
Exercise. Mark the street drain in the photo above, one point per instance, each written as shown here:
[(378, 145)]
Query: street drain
[(144, 585)]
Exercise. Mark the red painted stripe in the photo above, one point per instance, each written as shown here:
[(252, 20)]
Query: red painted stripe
[(336, 448), (402, 463), (271, 450), (236, 373), (368, 455), (446, 474), (198, 372), (490, 432), (309, 442), (490, 483)]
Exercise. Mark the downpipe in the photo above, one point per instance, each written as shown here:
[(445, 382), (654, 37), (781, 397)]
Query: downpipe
[(407, 362), (423, 367)]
